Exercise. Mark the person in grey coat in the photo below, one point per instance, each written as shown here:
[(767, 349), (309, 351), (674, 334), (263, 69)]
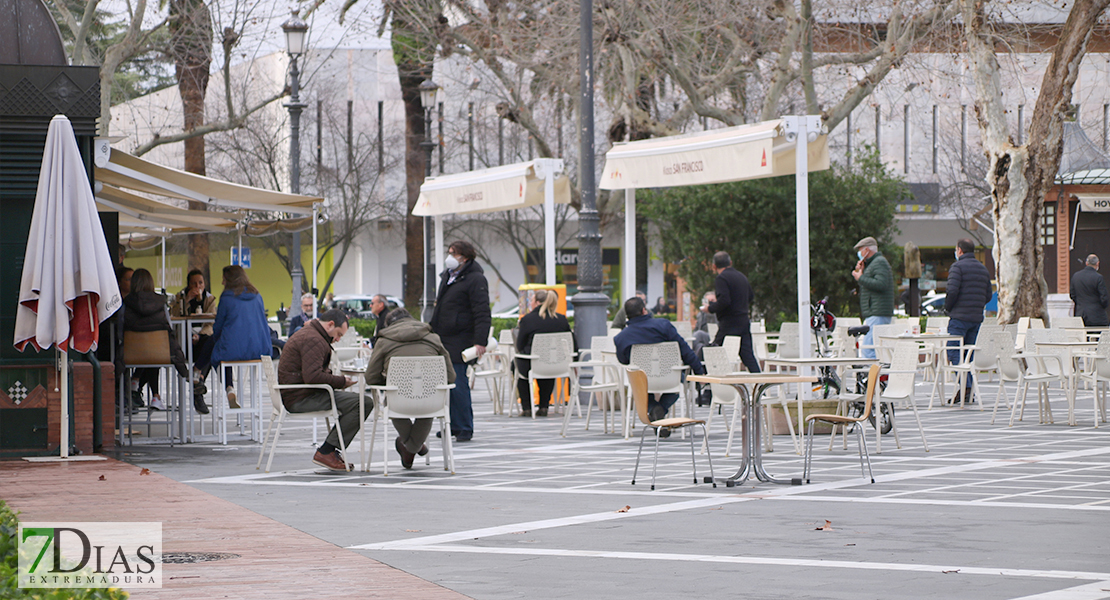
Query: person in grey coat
[(969, 290), (1088, 291)]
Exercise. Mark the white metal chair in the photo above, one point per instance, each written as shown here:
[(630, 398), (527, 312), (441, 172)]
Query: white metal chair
[(1097, 374), (719, 361), (552, 354), (415, 388), (638, 382), (606, 389), (279, 413), (662, 363), (248, 374)]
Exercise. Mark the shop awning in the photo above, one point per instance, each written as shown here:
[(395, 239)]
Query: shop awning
[(489, 190), (718, 156)]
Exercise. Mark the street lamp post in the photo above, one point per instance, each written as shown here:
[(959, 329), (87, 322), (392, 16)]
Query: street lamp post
[(295, 33), (428, 91)]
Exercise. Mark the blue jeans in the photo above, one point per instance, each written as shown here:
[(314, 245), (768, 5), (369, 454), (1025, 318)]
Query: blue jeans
[(462, 414), (970, 332), (869, 337)]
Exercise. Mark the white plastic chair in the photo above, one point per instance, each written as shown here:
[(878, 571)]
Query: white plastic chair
[(1010, 369), (1097, 374), (1040, 369), (900, 388), (415, 388), (606, 389), (936, 324), (279, 413), (662, 363), (552, 354), (719, 362), (493, 368), (684, 329)]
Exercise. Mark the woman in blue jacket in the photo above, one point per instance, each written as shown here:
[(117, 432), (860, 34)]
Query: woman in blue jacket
[(240, 331)]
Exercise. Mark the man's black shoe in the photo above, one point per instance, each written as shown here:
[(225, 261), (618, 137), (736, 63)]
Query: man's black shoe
[(657, 413), (464, 437), (664, 432)]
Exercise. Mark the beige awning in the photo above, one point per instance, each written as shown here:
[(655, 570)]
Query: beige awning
[(499, 188), (1094, 202), (127, 172), (718, 156)]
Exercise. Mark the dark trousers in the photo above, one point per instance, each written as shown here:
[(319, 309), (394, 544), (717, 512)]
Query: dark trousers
[(547, 386), (462, 414), (147, 377), (747, 350), (664, 400), (345, 402), (970, 332)]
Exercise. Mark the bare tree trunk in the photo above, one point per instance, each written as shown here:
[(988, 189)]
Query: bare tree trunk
[(1020, 176), (191, 48), (414, 54)]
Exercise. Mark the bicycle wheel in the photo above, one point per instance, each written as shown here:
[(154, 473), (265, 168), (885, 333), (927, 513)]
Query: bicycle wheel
[(886, 414)]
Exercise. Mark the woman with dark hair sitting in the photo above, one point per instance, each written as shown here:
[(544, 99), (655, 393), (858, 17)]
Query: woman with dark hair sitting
[(145, 310), (195, 299), (240, 331), (542, 319)]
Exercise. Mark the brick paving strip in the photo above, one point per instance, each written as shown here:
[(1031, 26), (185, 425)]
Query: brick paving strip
[(275, 561)]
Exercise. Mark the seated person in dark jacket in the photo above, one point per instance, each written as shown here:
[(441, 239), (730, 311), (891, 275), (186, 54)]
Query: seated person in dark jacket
[(643, 329), (403, 335), (145, 310), (542, 319), (307, 302)]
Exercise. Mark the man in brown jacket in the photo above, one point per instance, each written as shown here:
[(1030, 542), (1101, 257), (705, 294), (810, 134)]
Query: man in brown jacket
[(305, 359), (404, 336)]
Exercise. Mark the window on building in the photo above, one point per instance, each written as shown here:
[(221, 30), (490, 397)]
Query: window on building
[(1048, 225)]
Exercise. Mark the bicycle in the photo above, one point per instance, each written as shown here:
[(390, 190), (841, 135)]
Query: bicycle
[(828, 385)]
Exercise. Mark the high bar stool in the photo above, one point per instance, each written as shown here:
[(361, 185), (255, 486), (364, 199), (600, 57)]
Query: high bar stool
[(248, 395)]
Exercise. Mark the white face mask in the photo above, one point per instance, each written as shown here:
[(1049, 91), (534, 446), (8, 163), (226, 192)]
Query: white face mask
[(451, 263), (957, 253), (859, 253)]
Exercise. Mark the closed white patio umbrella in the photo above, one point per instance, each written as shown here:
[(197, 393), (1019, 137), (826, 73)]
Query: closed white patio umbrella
[(68, 286)]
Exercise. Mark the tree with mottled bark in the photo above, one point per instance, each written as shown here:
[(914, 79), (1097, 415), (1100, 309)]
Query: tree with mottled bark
[(1020, 176)]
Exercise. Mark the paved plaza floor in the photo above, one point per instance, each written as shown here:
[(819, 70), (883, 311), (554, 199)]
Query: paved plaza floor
[(990, 511)]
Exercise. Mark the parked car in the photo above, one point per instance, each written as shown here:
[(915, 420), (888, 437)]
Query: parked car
[(359, 306)]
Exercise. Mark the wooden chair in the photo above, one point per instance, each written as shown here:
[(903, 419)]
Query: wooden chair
[(149, 350), (638, 382), (845, 421)]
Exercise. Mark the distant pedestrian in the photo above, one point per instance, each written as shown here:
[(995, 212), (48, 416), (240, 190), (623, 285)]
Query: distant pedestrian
[(1088, 291), (966, 297), (876, 290), (732, 305)]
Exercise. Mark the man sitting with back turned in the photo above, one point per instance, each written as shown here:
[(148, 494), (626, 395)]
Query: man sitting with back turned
[(403, 335), (643, 329), (306, 359)]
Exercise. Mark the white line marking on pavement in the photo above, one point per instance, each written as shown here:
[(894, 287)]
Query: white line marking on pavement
[(551, 523), (1090, 591), (768, 560), (961, 503)]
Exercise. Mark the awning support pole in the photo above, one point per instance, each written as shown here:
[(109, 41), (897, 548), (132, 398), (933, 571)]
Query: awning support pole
[(1074, 222), (547, 170), (802, 128), (163, 265), (438, 248), (628, 285), (63, 375), (315, 260)]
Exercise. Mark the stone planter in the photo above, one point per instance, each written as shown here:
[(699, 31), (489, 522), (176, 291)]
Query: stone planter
[(778, 420)]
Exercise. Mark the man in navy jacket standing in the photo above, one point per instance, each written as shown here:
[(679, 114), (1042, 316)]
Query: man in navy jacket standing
[(732, 306), (969, 290), (643, 329)]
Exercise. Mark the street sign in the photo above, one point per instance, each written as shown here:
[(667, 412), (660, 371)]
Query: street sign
[(246, 259)]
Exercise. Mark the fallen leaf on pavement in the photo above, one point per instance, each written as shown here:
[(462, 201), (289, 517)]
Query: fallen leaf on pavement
[(145, 471), (103, 478), (826, 527), (625, 509), (413, 530), (849, 544), (952, 571)]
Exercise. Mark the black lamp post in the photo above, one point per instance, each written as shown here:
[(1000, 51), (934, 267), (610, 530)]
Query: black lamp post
[(428, 91), (296, 31)]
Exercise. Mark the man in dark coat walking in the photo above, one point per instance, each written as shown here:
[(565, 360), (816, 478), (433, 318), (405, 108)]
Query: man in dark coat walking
[(1088, 291), (967, 294), (462, 319), (732, 306)]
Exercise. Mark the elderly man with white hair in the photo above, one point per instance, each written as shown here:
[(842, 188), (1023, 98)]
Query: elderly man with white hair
[(876, 289), (297, 322)]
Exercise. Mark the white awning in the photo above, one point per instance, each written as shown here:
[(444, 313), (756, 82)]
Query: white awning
[(499, 188), (718, 156), (1094, 202), (126, 172)]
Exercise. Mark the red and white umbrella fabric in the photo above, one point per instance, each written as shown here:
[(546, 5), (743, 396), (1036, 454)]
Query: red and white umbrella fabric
[(69, 285)]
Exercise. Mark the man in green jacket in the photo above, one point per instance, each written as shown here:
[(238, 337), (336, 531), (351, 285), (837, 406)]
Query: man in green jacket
[(876, 289), (405, 336)]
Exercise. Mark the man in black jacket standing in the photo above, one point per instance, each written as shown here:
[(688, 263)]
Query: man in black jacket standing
[(967, 294), (1088, 291), (734, 300), (462, 319)]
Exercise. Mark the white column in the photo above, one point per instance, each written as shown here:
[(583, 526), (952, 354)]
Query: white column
[(164, 265), (656, 280), (549, 226), (628, 282), (438, 250)]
